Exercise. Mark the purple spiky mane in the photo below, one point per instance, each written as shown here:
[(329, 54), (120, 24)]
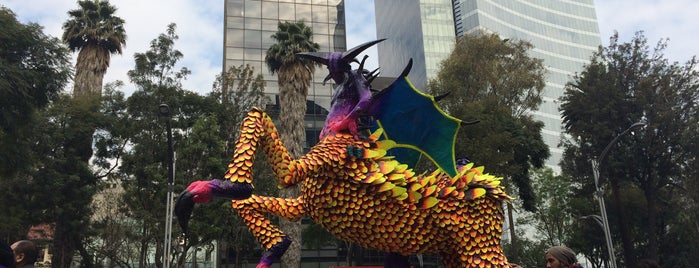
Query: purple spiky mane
[(352, 97)]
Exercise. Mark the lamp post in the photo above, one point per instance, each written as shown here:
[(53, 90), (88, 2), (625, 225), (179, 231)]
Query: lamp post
[(164, 111), (599, 193)]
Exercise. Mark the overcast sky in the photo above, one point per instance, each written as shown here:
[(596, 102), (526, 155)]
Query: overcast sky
[(200, 28)]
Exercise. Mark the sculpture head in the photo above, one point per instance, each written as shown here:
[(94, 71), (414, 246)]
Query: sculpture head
[(352, 95)]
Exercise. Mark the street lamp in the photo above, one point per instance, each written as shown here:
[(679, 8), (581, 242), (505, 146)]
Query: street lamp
[(164, 111), (599, 194)]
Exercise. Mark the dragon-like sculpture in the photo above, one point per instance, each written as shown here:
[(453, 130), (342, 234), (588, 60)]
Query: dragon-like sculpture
[(355, 182)]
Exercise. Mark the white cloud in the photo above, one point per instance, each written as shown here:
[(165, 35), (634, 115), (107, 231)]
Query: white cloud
[(199, 27), (361, 28), (676, 20)]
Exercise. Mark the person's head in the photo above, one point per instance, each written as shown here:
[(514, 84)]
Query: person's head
[(7, 258), (560, 257), (25, 252)]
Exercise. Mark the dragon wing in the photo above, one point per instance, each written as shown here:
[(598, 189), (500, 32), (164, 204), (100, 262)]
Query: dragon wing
[(418, 126)]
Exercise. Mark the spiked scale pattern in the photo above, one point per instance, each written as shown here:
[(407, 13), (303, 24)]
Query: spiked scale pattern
[(358, 193)]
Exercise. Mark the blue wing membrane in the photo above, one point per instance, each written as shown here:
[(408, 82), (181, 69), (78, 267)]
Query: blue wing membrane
[(418, 126)]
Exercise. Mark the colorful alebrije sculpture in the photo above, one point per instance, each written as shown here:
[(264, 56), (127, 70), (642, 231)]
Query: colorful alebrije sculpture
[(357, 185)]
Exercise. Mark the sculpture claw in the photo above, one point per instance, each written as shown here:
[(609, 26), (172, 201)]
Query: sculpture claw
[(205, 191)]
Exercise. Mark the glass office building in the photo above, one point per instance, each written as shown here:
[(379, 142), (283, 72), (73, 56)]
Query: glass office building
[(564, 33), (249, 25), (419, 29)]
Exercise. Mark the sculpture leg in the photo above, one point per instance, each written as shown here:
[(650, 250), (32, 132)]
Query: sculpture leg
[(274, 241), (258, 130), (475, 238)]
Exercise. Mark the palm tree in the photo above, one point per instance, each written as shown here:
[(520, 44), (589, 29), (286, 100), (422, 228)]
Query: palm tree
[(96, 33), (294, 77)]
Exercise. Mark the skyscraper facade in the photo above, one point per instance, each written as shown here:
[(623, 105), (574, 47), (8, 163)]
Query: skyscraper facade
[(419, 29), (249, 25), (564, 33)]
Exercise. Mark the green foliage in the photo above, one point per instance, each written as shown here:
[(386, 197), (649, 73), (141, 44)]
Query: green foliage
[(34, 68), (95, 33), (61, 185), (496, 82), (204, 129), (291, 38), (648, 170), (94, 23)]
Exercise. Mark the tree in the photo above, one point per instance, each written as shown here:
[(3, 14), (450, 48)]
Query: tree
[(60, 184), (495, 82), (95, 33), (237, 91), (34, 69), (294, 77), (625, 83), (144, 162)]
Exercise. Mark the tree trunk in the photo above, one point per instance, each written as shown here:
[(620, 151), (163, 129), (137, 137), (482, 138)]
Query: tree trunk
[(91, 65), (627, 244), (63, 248), (651, 199), (293, 87), (144, 247), (516, 252)]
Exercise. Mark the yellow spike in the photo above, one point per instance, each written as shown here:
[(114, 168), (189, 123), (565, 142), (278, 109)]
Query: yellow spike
[(469, 165), (396, 177), (429, 190), (402, 196), (401, 167), (476, 193), (447, 190), (387, 166), (379, 180), (398, 191), (375, 153), (386, 186), (376, 134), (415, 187), (386, 144), (429, 202), (399, 181), (469, 177), (453, 180), (414, 196), (480, 169), (371, 177)]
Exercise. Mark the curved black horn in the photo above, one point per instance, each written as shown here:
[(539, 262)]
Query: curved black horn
[(407, 68), (321, 58), (350, 54), (440, 97), (463, 123)]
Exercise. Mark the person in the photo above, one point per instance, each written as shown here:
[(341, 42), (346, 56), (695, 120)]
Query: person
[(561, 257), (7, 258), (25, 253)]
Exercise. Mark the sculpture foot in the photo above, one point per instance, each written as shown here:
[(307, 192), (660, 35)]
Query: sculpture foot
[(274, 253)]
